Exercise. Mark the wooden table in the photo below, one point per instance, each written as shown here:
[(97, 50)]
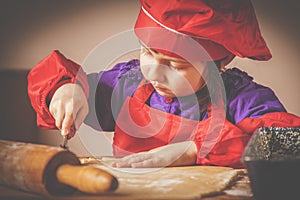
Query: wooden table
[(239, 190), (12, 194)]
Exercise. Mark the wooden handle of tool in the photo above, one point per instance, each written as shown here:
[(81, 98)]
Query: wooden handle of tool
[(87, 179)]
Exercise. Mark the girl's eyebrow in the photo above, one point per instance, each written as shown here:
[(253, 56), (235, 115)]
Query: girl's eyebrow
[(154, 51), (149, 49)]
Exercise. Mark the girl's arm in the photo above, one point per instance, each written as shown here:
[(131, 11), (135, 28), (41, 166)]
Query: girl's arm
[(46, 77), (176, 154), (223, 148), (51, 84), (233, 139)]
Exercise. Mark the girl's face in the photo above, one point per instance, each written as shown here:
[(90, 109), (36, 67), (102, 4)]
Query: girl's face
[(170, 76)]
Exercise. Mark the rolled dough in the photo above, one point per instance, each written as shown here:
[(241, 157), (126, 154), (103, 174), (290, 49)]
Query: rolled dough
[(191, 182)]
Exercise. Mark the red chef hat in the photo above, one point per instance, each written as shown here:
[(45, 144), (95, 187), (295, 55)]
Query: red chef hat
[(222, 28)]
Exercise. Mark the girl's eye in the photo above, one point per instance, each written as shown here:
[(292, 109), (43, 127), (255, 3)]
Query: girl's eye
[(178, 66)]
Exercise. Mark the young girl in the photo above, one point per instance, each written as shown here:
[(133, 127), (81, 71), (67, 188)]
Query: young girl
[(171, 107)]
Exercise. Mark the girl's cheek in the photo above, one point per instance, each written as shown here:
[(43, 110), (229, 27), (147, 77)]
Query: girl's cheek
[(146, 72)]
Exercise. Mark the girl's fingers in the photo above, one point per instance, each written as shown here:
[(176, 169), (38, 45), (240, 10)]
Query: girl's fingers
[(67, 122), (134, 160), (69, 108), (145, 163), (80, 116), (72, 132), (59, 117), (58, 112), (70, 125), (138, 157)]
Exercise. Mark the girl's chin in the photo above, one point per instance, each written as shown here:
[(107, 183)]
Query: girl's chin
[(165, 93), (169, 94)]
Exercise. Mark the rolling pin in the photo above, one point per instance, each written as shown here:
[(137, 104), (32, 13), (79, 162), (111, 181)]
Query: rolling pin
[(49, 170)]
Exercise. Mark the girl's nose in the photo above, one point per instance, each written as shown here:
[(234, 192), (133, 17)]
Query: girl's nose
[(157, 71)]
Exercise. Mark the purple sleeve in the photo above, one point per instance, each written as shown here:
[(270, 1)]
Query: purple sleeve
[(245, 98), (108, 91)]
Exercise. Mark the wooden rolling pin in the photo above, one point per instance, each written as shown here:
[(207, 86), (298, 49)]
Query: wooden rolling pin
[(49, 170)]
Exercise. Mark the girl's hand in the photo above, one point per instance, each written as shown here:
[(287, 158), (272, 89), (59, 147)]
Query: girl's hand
[(177, 154), (69, 108)]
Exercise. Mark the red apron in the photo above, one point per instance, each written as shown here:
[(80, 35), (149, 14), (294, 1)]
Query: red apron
[(141, 128)]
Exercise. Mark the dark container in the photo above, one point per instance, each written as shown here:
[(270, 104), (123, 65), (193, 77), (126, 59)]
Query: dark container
[(272, 158)]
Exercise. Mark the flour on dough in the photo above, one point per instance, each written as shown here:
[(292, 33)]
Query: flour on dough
[(172, 182)]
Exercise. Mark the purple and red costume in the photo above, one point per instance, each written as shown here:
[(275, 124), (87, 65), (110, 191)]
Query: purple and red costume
[(119, 99)]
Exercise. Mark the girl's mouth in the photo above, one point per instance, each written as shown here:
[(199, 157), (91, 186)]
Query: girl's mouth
[(160, 88), (157, 86), (164, 91)]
